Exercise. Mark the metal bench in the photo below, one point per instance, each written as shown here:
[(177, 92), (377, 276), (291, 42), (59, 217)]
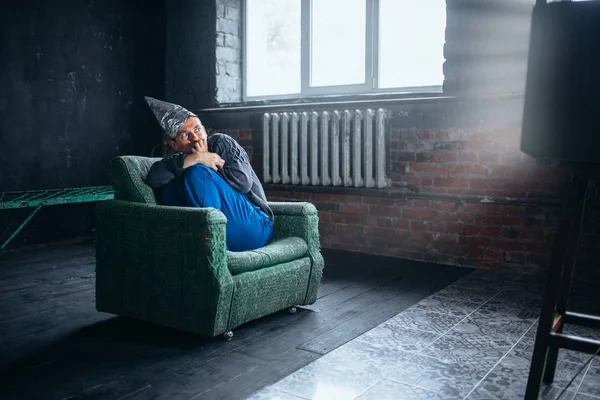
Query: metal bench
[(36, 199)]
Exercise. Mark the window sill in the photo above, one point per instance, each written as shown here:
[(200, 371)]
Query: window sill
[(368, 100)]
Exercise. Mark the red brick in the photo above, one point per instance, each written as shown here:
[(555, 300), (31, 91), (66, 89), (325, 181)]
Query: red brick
[(488, 220), (494, 254), (429, 168), (451, 182), (350, 230), (421, 203), (424, 135), (456, 216), (518, 245), (494, 208), (369, 220), (352, 218), (353, 209), (384, 222), (473, 207), (500, 170), (443, 205), (400, 223), (490, 264), (512, 221), (536, 186), (467, 157), (474, 252), (471, 230), (493, 231), (419, 214), (415, 180), (436, 226), (476, 241), (421, 237), (447, 158), (387, 201), (418, 225), (515, 257), (385, 211), (504, 184), (489, 157), (481, 135), (426, 181), (380, 232), (324, 216), (518, 173), (437, 190), (480, 183), (476, 169), (454, 227), (511, 210), (457, 169), (338, 218), (370, 200), (439, 135)]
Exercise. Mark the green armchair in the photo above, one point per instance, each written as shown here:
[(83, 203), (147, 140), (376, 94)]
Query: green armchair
[(170, 266)]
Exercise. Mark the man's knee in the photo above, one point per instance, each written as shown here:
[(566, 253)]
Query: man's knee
[(199, 172)]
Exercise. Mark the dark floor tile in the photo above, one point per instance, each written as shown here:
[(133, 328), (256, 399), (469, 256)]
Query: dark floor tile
[(591, 382), (272, 394), (583, 331), (581, 396), (368, 358), (517, 364), (493, 328), (526, 346), (392, 335), (428, 321), (389, 390), (474, 350), (507, 389), (446, 305), (502, 309), (444, 377), (469, 294), (319, 380)]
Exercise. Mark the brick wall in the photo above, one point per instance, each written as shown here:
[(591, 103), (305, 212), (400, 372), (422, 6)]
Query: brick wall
[(228, 51), (204, 52), (482, 202)]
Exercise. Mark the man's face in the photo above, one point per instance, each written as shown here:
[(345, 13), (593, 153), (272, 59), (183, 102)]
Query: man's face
[(190, 134)]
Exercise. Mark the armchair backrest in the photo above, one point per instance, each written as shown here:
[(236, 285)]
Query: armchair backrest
[(127, 176)]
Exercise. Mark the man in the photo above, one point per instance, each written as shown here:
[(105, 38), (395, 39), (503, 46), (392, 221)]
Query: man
[(210, 172)]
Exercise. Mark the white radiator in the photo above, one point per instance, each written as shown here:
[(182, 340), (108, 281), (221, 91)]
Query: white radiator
[(327, 148)]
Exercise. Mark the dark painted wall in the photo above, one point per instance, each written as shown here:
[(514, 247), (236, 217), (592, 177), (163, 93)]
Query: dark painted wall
[(73, 75)]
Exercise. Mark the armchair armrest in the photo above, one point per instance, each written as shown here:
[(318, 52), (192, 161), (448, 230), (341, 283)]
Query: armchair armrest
[(162, 264), (301, 219)]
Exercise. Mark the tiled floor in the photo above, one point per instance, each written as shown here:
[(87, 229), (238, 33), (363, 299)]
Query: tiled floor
[(472, 340)]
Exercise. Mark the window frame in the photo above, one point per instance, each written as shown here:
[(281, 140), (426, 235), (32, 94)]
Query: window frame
[(372, 65)]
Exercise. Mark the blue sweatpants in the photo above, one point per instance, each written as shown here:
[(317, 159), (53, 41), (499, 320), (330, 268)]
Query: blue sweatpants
[(248, 227)]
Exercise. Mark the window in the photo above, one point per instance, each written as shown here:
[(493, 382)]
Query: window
[(297, 48)]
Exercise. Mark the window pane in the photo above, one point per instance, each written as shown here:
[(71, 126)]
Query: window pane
[(411, 42), (272, 47), (338, 42)]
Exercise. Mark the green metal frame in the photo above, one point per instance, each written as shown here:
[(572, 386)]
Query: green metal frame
[(36, 199)]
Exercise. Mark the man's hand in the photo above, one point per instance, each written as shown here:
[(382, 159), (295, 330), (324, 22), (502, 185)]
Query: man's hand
[(199, 155)]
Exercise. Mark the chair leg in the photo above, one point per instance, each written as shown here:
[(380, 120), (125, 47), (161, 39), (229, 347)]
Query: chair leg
[(292, 310), (228, 335)]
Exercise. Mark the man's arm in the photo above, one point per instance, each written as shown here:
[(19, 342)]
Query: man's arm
[(164, 171), (237, 170)]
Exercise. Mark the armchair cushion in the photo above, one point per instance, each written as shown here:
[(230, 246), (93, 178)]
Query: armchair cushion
[(127, 175), (277, 252)]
